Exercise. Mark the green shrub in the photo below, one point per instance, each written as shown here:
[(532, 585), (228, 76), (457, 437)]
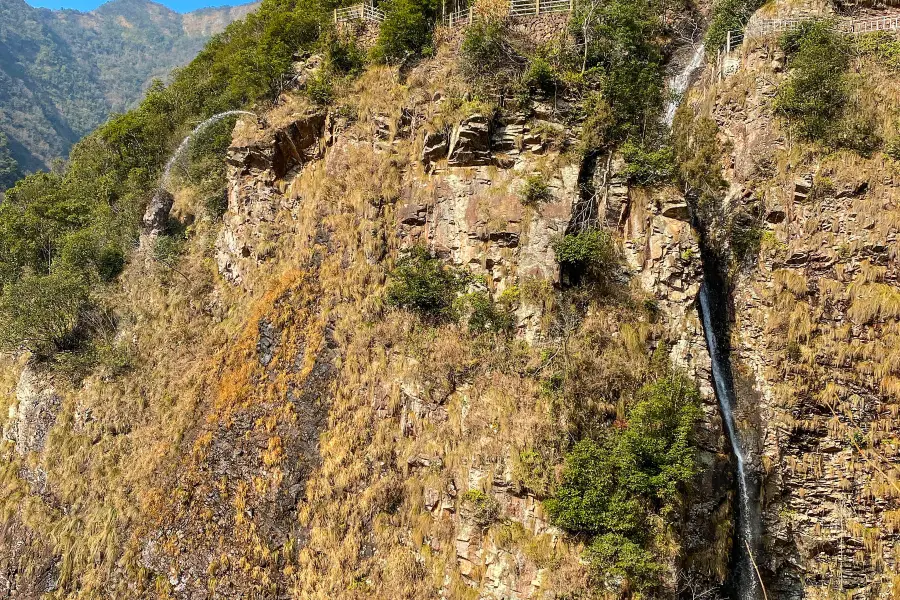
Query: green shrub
[(893, 149), (320, 88), (534, 472), (540, 76), (343, 55), (489, 316), (482, 508), (424, 284), (591, 252), (406, 30), (649, 163), (622, 58), (611, 487), (168, 248), (857, 131), (616, 556), (535, 191), (883, 46), (597, 125), (40, 313), (813, 97)]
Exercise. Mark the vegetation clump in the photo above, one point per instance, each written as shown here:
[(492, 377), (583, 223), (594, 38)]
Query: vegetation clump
[(648, 165), (591, 252), (535, 191), (612, 486), (817, 99), (480, 507), (406, 30), (422, 283), (41, 313), (728, 15)]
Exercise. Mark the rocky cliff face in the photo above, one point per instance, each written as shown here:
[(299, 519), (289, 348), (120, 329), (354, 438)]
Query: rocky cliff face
[(283, 434), (450, 177), (813, 332)]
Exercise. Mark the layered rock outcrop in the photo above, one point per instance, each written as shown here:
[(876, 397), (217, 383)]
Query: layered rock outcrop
[(813, 338)]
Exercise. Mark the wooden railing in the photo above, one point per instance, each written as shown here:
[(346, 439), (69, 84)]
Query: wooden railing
[(359, 12)]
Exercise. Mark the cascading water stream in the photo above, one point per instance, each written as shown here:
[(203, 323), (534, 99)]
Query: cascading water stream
[(745, 579), (679, 84), (183, 146), (744, 582)]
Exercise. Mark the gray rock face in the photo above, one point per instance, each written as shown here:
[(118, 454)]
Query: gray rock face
[(37, 405), (435, 147), (280, 149), (156, 217), (470, 144)]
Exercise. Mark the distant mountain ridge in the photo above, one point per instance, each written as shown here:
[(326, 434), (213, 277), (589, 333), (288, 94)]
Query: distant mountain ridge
[(62, 73)]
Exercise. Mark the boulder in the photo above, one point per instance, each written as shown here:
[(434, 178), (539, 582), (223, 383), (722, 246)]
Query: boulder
[(435, 147), (676, 209), (156, 217), (37, 405), (470, 144)]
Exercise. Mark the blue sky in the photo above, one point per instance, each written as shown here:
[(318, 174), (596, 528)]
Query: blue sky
[(179, 5)]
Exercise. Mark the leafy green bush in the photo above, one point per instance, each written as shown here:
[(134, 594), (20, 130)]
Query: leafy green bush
[(699, 154), (623, 58), (591, 252), (343, 55), (598, 124), (320, 88), (406, 30), (485, 54), (649, 163), (534, 471), (611, 487), (540, 76), (883, 46), (40, 313), (615, 555), (85, 250), (489, 316), (423, 283), (482, 508), (813, 97), (535, 191), (168, 248), (893, 149)]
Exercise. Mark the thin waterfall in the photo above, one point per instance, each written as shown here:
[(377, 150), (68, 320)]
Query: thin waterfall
[(186, 142), (680, 82), (746, 541)]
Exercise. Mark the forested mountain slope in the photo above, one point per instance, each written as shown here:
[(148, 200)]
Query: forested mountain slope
[(62, 73)]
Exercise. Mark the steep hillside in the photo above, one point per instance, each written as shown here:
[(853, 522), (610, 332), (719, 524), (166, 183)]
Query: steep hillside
[(62, 73), (427, 312)]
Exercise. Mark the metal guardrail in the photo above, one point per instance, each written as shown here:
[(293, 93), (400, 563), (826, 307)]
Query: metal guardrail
[(517, 8), (359, 12), (848, 26), (844, 25)]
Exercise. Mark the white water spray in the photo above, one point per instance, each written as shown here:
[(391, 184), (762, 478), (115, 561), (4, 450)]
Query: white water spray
[(679, 84), (748, 587), (183, 146)]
